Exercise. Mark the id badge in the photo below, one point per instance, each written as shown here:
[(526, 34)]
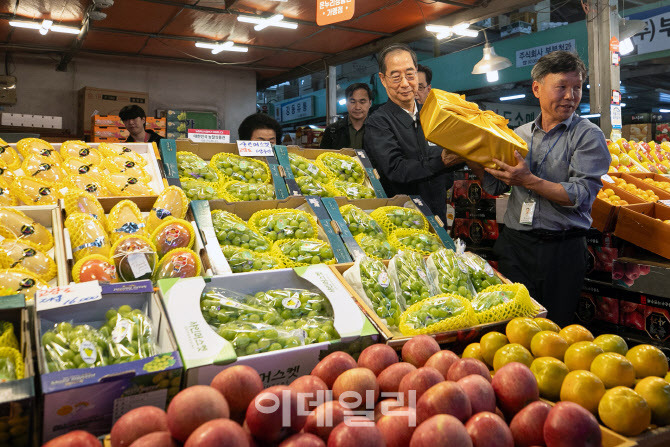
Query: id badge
[(527, 211)]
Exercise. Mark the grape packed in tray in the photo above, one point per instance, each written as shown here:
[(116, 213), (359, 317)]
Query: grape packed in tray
[(482, 274), (342, 167), (231, 230), (278, 224), (190, 165), (451, 272), (359, 221), (302, 167), (243, 169), (409, 270)]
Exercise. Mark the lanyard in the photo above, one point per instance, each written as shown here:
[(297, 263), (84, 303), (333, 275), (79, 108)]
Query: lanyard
[(530, 151)]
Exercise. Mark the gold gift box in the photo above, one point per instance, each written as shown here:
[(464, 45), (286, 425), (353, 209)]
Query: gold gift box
[(450, 121)]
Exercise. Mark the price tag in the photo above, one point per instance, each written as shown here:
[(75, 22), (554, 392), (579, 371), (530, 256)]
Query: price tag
[(209, 136), (255, 148), (607, 178), (665, 202), (615, 113), (139, 264), (68, 295)]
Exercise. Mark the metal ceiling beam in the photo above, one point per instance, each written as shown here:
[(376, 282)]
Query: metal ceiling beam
[(491, 9)]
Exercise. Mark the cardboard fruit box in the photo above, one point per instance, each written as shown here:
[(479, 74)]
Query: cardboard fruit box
[(604, 214), (205, 353), (640, 225), (637, 180)]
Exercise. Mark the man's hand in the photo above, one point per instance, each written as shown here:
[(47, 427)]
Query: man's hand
[(518, 175), (450, 159)]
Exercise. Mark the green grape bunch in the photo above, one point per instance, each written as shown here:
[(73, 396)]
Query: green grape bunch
[(413, 277), (307, 251), (254, 338), (406, 218), (296, 303), (242, 169), (358, 221), (191, 166), (433, 311), (129, 332), (159, 363), (419, 241), (482, 274), (286, 225), (376, 245), (246, 192), (302, 167), (354, 191), (196, 189), (344, 168), (218, 307), (452, 274), (231, 230), (488, 300), (244, 260), (380, 291), (310, 187), (316, 329), (68, 347)]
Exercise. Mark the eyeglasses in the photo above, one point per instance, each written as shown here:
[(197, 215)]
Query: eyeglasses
[(422, 87), (397, 78)]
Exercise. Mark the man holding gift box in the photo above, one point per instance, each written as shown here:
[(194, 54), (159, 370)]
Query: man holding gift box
[(394, 138), (548, 214)]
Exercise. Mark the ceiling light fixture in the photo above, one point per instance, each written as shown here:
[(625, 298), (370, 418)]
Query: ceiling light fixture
[(509, 98), (664, 110), (443, 32), (627, 29), (219, 47), (276, 20), (44, 27), (491, 63)]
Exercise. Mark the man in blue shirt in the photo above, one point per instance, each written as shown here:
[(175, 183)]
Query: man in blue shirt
[(543, 244)]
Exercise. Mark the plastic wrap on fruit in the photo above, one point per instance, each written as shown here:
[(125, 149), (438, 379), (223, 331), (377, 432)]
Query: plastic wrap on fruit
[(95, 268), (296, 303), (359, 221), (310, 187), (7, 198), (244, 169), (29, 146), (231, 230), (371, 281), (485, 301), (451, 272), (33, 192), (392, 218), (76, 167), (24, 254), (236, 191), (111, 150), (122, 164), (88, 183), (36, 166), (190, 165), (245, 260), (437, 314), (422, 242), (124, 219), (68, 347), (220, 306), (414, 282), (135, 258), (482, 274), (170, 202), (8, 156), (254, 338), (353, 190), (79, 201), (341, 167), (86, 154), (282, 223), (87, 236), (14, 224), (18, 280), (6, 174), (316, 329), (178, 263), (502, 302), (197, 189), (123, 185), (11, 365), (71, 148), (376, 246), (172, 233), (129, 333), (301, 166), (302, 252)]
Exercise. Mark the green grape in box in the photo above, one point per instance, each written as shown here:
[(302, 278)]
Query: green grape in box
[(231, 230), (452, 274), (280, 224), (254, 338), (196, 189), (242, 169), (487, 300), (316, 329), (414, 281), (7, 368), (482, 274), (220, 306), (190, 165), (68, 347), (376, 246), (300, 166), (130, 333), (343, 167), (236, 191), (421, 241), (392, 218), (359, 221), (433, 311), (310, 187), (304, 251), (296, 303), (354, 191), (380, 291), (244, 260)]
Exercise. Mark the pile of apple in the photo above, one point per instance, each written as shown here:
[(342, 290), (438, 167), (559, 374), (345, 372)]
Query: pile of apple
[(438, 399)]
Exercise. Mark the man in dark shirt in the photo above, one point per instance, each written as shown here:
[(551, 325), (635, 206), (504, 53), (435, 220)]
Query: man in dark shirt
[(135, 120), (394, 139), (349, 132)]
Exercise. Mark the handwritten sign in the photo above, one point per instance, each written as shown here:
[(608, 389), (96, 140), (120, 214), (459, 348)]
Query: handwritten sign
[(255, 148), (68, 295), (209, 136)]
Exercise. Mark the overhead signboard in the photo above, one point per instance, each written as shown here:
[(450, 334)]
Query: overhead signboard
[(656, 36), (529, 56), (333, 11), (295, 109)]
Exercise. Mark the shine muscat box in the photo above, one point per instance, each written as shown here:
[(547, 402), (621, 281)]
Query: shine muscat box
[(92, 399), (205, 353)]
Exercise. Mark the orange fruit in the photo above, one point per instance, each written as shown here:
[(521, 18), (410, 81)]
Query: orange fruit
[(613, 369), (548, 344), (549, 373), (667, 377), (575, 333), (580, 355), (521, 330), (547, 325), (611, 343), (583, 388), (473, 351), (490, 343), (624, 411), (656, 392), (648, 361), (513, 352)]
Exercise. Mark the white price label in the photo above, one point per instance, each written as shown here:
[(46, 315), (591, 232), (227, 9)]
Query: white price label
[(209, 136), (607, 178), (139, 264), (68, 295), (665, 202), (255, 148)]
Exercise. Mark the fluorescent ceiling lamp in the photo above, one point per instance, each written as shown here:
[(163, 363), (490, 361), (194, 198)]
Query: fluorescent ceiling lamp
[(509, 98), (19, 24), (342, 101), (664, 110), (626, 46), (219, 47), (463, 29), (276, 20), (593, 115), (441, 32), (44, 27), (491, 61), (492, 76)]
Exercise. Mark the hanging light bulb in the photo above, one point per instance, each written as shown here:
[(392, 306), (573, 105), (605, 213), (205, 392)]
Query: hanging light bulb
[(492, 76)]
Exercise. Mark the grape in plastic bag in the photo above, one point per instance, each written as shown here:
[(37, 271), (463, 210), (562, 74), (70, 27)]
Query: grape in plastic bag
[(342, 167), (198, 189), (451, 273), (413, 279), (190, 165), (244, 260), (254, 338), (278, 224), (220, 306), (301, 252), (68, 347), (376, 246), (359, 221), (482, 274), (437, 314), (236, 191), (295, 303), (315, 329), (420, 241), (310, 187), (129, 333), (301, 166), (231, 230), (354, 191), (243, 169)]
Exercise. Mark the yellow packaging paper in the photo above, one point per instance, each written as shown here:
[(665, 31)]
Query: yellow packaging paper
[(79, 201), (450, 121), (8, 156), (19, 280), (7, 198), (14, 224)]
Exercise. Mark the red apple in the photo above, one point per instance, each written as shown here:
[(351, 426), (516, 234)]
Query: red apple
[(442, 361), (398, 426), (390, 378), (332, 365), (377, 358), (311, 392), (356, 432), (515, 387), (157, 439), (77, 438), (303, 440), (571, 425), (268, 417), (489, 430), (418, 381), (239, 385), (192, 407), (324, 418), (419, 349), (465, 367), (218, 432), (356, 388), (137, 423), (386, 406), (444, 398), (528, 424), (442, 430), (480, 393)]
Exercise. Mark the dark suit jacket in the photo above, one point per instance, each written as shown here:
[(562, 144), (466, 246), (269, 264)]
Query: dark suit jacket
[(336, 135), (405, 162)]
